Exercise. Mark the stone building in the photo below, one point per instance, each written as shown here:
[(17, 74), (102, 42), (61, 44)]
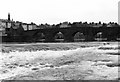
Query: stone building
[(64, 25)]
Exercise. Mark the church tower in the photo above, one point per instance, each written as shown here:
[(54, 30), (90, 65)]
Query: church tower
[(8, 16)]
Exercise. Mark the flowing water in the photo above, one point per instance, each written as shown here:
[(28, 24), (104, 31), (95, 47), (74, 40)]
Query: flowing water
[(60, 61)]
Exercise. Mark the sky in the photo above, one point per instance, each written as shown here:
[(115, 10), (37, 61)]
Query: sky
[(56, 11)]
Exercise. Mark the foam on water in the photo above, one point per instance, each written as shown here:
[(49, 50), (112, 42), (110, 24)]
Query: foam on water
[(27, 56)]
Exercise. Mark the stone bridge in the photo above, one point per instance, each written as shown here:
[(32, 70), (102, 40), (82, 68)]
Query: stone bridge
[(111, 33)]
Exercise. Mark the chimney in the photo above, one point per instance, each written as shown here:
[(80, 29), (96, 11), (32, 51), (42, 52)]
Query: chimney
[(8, 16)]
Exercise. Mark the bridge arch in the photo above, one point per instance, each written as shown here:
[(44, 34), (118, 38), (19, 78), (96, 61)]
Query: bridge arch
[(118, 37), (99, 36), (78, 36), (39, 36), (58, 36)]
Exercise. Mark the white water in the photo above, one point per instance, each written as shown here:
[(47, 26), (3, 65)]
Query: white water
[(26, 57)]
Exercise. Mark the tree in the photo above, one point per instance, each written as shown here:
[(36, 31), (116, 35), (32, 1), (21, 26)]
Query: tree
[(99, 22)]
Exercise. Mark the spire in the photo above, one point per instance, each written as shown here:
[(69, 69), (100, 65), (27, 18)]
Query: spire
[(8, 16)]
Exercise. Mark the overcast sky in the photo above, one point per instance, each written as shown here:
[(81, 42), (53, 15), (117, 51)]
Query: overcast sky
[(56, 11)]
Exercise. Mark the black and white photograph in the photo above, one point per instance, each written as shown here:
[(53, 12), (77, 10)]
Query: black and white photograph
[(59, 40)]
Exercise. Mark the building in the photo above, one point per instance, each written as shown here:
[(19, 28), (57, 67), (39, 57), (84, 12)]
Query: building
[(32, 26), (25, 26), (3, 25), (64, 25)]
